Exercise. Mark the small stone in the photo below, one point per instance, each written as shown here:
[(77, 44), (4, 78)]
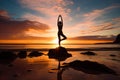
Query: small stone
[(88, 53), (35, 54), (10, 65), (112, 55), (15, 75)]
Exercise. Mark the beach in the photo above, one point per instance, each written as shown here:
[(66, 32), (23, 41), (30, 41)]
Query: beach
[(43, 67), (59, 40)]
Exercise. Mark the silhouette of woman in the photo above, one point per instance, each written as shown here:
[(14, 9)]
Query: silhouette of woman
[(60, 26)]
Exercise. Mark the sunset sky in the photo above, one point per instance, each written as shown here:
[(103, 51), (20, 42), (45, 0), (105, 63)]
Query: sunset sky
[(37, 19)]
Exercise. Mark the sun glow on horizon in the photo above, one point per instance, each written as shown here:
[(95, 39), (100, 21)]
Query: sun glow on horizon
[(55, 41)]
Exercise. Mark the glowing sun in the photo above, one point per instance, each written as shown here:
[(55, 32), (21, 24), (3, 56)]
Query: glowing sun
[(55, 41)]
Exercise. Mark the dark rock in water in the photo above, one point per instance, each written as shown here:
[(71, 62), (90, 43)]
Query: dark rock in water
[(15, 75), (1, 72), (117, 40), (59, 53), (7, 54), (61, 50), (90, 67), (35, 54), (116, 60), (112, 55), (22, 54), (88, 53), (6, 57), (10, 65), (29, 70)]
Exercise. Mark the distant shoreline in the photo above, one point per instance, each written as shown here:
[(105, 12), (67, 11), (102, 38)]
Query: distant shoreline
[(108, 43)]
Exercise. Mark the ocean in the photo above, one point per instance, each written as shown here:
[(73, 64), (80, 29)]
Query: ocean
[(49, 46)]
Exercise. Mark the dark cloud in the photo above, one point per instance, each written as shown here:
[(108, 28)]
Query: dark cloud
[(96, 37), (4, 16), (15, 29), (106, 26), (4, 13), (110, 25)]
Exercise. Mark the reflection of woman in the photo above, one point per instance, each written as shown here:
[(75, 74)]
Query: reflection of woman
[(60, 33), (60, 72)]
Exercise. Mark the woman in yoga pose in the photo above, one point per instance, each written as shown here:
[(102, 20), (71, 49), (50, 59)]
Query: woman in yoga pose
[(60, 26)]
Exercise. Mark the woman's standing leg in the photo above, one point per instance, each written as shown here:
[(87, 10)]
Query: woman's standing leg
[(59, 39)]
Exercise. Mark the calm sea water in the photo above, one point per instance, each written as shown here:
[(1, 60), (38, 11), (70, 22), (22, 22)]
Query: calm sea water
[(53, 46)]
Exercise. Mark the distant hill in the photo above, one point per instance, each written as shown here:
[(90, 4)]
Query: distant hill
[(116, 41)]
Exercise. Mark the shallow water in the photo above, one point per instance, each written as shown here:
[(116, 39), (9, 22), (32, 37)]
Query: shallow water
[(28, 46), (44, 68)]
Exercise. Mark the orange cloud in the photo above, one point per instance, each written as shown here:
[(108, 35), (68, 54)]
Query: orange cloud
[(48, 12), (15, 29)]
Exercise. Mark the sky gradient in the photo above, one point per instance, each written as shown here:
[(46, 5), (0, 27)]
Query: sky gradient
[(35, 19)]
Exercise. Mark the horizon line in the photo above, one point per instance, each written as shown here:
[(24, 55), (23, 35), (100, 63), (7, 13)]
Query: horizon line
[(53, 43)]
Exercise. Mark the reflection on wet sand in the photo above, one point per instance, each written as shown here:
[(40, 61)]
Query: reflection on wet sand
[(60, 68), (60, 71), (20, 65), (88, 67), (60, 54)]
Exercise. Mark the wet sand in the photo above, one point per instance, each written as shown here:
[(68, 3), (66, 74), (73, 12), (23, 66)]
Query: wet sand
[(44, 68)]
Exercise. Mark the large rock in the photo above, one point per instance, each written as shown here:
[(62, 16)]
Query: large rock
[(59, 53), (117, 40), (90, 67), (7, 57), (22, 54)]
